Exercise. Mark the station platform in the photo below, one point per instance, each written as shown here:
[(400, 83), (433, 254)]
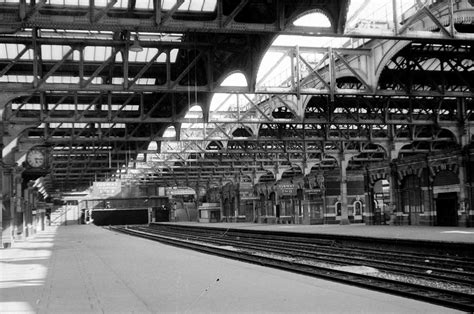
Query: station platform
[(89, 269), (424, 233)]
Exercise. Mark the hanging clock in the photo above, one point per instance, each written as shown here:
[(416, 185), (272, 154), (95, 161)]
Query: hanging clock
[(36, 158)]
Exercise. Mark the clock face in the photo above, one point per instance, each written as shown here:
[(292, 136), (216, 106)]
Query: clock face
[(35, 158)]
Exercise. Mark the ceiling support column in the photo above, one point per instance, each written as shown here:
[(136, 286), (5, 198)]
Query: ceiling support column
[(343, 162)]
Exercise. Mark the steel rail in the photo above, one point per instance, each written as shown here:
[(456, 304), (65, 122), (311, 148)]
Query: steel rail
[(321, 242)]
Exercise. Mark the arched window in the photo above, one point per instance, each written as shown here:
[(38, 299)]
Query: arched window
[(357, 208), (314, 19), (338, 209)]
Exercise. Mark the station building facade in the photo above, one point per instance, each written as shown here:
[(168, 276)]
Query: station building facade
[(431, 190)]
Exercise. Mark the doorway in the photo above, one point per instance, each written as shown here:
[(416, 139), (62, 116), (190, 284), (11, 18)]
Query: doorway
[(446, 213)]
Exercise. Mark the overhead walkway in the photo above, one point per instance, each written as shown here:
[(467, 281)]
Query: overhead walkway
[(88, 269)]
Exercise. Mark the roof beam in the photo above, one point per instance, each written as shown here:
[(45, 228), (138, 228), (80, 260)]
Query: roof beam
[(172, 11), (234, 13), (97, 17), (55, 67), (144, 68), (180, 89), (14, 61), (10, 20)]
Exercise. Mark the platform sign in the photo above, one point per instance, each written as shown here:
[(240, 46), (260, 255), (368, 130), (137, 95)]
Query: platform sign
[(287, 189), (180, 191), (106, 189)]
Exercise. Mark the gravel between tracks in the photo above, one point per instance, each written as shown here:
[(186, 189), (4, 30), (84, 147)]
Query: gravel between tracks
[(369, 272)]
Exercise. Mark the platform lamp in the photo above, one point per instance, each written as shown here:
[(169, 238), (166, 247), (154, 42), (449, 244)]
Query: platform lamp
[(135, 47)]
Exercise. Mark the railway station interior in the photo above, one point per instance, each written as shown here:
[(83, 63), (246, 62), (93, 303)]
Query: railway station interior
[(295, 114)]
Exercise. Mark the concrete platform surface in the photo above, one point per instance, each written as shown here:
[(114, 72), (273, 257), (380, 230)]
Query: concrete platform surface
[(88, 269), (428, 233)]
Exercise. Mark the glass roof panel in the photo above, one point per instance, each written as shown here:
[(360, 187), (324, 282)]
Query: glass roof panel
[(112, 125), (146, 55), (315, 19), (63, 79), (195, 5), (144, 4), (28, 55), (117, 80), (173, 55), (16, 106), (79, 34), (119, 107), (60, 125), (167, 37), (167, 4), (377, 14), (170, 132), (235, 79), (209, 5), (60, 2), (143, 56), (198, 5), (53, 52), (10, 51), (162, 58), (95, 80), (153, 145), (121, 4), (146, 81), (188, 5), (97, 53), (16, 78), (185, 6), (65, 2), (100, 3), (71, 107)]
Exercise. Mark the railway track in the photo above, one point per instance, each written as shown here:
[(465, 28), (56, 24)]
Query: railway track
[(434, 283)]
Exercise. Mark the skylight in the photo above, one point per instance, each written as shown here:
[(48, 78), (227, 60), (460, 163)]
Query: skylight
[(63, 79), (170, 132), (119, 107), (195, 112), (315, 19), (70, 107), (78, 34), (235, 79), (67, 125), (146, 81), (147, 54), (95, 53), (54, 52), (163, 37), (153, 145), (16, 78), (188, 5), (112, 125), (224, 101), (10, 51), (72, 2), (117, 80), (16, 106), (377, 14)]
